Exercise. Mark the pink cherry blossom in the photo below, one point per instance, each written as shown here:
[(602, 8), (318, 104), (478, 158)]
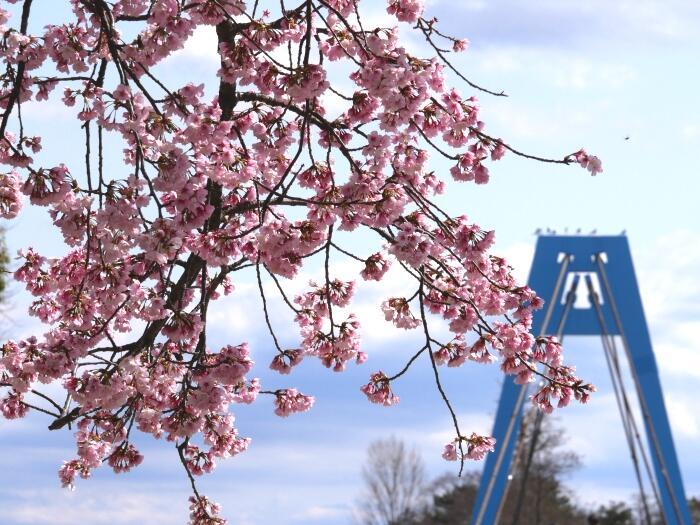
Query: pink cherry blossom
[(378, 390), (590, 162), (397, 311), (283, 362), (449, 453), (124, 458), (12, 406), (290, 401), (176, 198), (406, 10), (474, 447), (461, 44), (10, 199), (205, 512), (376, 265), (305, 83)]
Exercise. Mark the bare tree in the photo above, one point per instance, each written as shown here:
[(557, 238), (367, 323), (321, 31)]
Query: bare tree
[(395, 483), (545, 499)]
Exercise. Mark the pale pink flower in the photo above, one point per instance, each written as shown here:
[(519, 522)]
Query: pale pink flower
[(273, 172), (124, 458), (460, 45), (290, 401), (590, 162), (378, 390), (406, 10), (474, 447), (10, 197), (450, 452), (283, 362), (376, 265), (12, 406), (398, 311)]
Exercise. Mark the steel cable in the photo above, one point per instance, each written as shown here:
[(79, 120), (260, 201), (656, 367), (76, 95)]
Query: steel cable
[(537, 424), (642, 400), (518, 404), (623, 405)]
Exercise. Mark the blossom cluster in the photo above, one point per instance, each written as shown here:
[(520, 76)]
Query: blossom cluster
[(472, 447), (259, 176)]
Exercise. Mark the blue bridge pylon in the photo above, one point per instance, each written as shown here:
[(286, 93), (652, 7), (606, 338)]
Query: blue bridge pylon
[(603, 266)]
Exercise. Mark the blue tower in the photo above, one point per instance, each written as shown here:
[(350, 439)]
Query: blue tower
[(603, 265)]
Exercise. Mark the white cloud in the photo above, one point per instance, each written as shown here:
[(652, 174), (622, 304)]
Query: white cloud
[(200, 47), (296, 456), (432, 442), (16, 426), (668, 279), (683, 415), (472, 5), (557, 67), (113, 507), (659, 17), (598, 442), (690, 132), (521, 123), (584, 74), (321, 512), (681, 355), (53, 109), (597, 493), (537, 21), (499, 60), (519, 256)]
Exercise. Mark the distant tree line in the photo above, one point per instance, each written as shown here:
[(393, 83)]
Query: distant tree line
[(398, 492)]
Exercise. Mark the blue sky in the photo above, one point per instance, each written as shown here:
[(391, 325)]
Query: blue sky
[(577, 74)]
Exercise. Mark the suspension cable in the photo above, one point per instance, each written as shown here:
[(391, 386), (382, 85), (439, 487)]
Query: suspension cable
[(521, 396), (623, 405), (637, 434), (537, 423), (640, 393)]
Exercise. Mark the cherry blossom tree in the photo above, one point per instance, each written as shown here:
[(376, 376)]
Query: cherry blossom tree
[(260, 177)]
